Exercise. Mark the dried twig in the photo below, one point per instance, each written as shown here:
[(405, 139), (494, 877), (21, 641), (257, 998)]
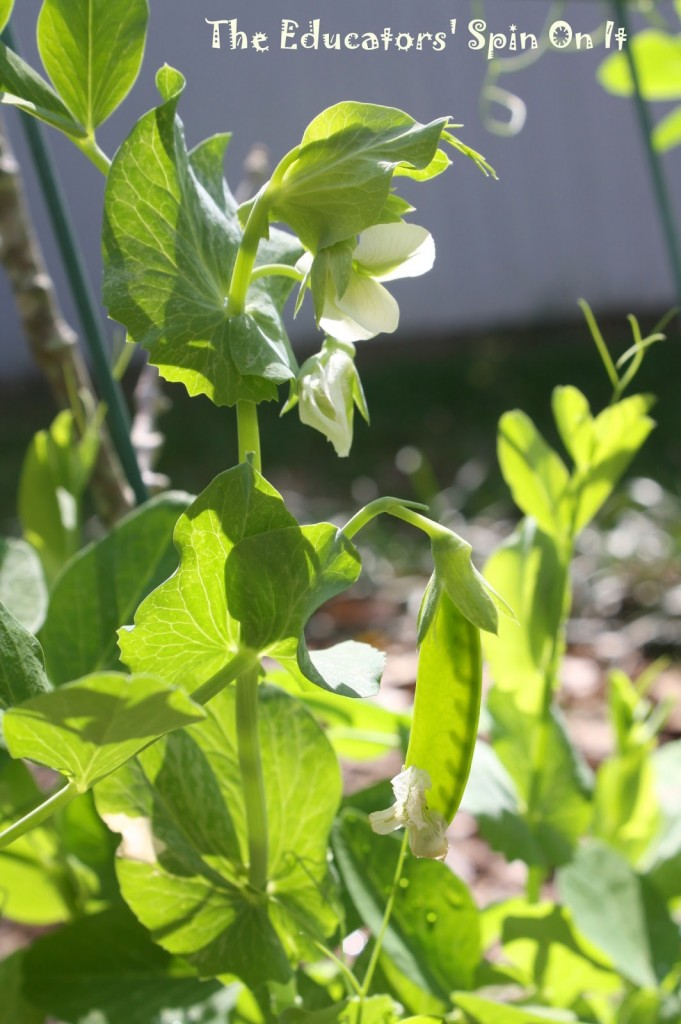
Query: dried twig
[(53, 344)]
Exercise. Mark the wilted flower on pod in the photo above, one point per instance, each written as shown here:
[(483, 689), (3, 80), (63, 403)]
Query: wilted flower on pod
[(426, 828), (364, 308), (327, 390)]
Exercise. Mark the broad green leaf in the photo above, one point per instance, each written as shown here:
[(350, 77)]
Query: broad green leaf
[(22, 667), (89, 728), (620, 913), (249, 577), (187, 882), (107, 964), (433, 937), (101, 588), (483, 1011), (6, 7), (492, 798), (556, 800), (24, 88), (54, 476), (530, 573), (34, 882), (540, 939), (618, 433), (183, 630), (626, 811), (276, 580), (657, 55), (446, 706), (358, 730), (14, 1008), (535, 474), (22, 583), (667, 132), (170, 242), (339, 180), (92, 50), (663, 861), (572, 414)]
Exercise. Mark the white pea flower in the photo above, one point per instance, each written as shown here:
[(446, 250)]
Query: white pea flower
[(384, 252), (426, 828), (327, 389)]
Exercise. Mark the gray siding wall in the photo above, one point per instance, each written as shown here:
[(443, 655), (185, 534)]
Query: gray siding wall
[(572, 214)]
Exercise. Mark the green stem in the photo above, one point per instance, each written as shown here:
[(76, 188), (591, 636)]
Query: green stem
[(250, 763), (664, 205), (342, 967), (244, 661), (535, 879), (256, 228), (249, 433), (392, 507), (97, 156), (378, 945), (276, 269), (39, 814)]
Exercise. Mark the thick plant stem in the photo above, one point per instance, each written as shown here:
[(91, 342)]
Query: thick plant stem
[(252, 780), (52, 342), (243, 661), (39, 814), (249, 433), (378, 945), (535, 880)]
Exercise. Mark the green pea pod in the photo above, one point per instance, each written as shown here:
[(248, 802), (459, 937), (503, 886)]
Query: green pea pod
[(447, 705)]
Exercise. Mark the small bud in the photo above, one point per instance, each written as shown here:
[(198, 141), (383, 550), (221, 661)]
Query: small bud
[(327, 390)]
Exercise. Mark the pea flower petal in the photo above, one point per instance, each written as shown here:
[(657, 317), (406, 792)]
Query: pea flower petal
[(426, 828), (384, 252)]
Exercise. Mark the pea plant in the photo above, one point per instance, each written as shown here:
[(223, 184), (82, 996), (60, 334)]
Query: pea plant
[(198, 856)]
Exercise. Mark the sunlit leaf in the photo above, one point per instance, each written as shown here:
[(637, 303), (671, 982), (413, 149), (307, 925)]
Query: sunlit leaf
[(22, 583), (22, 87), (92, 50), (657, 55)]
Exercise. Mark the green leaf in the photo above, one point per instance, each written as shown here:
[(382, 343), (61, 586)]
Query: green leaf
[(446, 706), (189, 885), (54, 476), (339, 181), (667, 132), (358, 730), (573, 418), (530, 572), (620, 913), (617, 434), (657, 55), (239, 531), (13, 1006), (433, 937), (492, 798), (535, 474), (22, 583), (101, 588), (663, 860), (89, 728), (183, 630), (541, 941), (373, 1010), (626, 810), (557, 799), (107, 964), (22, 669), (35, 882), (6, 7), (24, 88), (276, 580), (170, 242), (484, 1011), (92, 50)]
